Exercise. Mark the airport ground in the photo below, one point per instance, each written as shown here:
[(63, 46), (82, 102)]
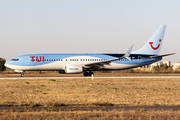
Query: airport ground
[(130, 72), (91, 115), (86, 92)]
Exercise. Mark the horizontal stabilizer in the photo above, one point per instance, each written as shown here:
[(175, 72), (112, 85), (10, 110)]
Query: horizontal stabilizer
[(162, 55)]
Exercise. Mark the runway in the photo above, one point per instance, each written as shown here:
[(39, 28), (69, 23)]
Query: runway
[(102, 108), (159, 76)]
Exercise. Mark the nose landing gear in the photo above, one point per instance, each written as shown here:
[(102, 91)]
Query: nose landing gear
[(22, 74)]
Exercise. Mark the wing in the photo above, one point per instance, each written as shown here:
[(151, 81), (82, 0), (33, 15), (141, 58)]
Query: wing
[(106, 62)]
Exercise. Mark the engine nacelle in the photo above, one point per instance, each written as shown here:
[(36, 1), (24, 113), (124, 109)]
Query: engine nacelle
[(18, 71), (73, 69)]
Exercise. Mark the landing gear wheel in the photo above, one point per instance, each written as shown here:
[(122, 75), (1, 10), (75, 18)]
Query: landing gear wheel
[(85, 73), (91, 73), (22, 74)]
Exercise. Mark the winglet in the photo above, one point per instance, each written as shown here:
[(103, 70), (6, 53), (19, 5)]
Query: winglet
[(128, 52)]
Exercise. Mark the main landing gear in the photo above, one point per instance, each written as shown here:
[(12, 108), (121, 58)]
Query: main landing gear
[(88, 73)]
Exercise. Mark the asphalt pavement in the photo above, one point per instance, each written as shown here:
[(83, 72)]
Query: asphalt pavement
[(102, 108)]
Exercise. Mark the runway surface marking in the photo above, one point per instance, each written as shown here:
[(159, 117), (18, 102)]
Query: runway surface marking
[(168, 76), (105, 108)]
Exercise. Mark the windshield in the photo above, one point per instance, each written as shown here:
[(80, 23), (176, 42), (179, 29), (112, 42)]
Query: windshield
[(14, 59)]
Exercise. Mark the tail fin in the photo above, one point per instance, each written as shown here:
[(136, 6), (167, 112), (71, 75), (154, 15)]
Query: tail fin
[(154, 44)]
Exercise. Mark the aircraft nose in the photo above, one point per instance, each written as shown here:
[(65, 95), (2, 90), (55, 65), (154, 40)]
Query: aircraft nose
[(6, 64)]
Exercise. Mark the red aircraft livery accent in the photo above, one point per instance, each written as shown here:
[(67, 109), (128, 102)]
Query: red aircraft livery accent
[(155, 48), (38, 60)]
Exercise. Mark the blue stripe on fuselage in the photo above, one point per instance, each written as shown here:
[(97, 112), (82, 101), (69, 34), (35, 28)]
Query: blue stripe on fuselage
[(135, 57)]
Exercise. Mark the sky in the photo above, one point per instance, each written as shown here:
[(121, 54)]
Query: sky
[(86, 26)]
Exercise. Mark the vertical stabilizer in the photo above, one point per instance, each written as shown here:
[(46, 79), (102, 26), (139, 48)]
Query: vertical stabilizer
[(154, 44)]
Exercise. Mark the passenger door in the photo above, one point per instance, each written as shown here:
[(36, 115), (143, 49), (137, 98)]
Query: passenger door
[(139, 59), (27, 60)]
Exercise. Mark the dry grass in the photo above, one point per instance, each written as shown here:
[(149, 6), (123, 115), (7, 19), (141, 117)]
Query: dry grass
[(92, 115), (87, 92)]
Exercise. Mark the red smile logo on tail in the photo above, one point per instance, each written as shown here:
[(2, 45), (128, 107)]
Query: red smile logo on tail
[(155, 48)]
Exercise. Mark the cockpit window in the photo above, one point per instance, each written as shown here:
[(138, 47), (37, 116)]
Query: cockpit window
[(15, 59)]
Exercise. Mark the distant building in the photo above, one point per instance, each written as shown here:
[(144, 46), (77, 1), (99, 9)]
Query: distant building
[(175, 65), (154, 64), (168, 63)]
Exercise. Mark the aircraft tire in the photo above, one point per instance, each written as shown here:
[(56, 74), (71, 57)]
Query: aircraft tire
[(22, 75), (85, 73), (90, 73)]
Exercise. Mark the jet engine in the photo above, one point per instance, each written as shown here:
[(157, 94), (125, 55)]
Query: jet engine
[(72, 69)]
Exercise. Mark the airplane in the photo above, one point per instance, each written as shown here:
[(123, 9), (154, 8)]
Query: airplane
[(87, 63)]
